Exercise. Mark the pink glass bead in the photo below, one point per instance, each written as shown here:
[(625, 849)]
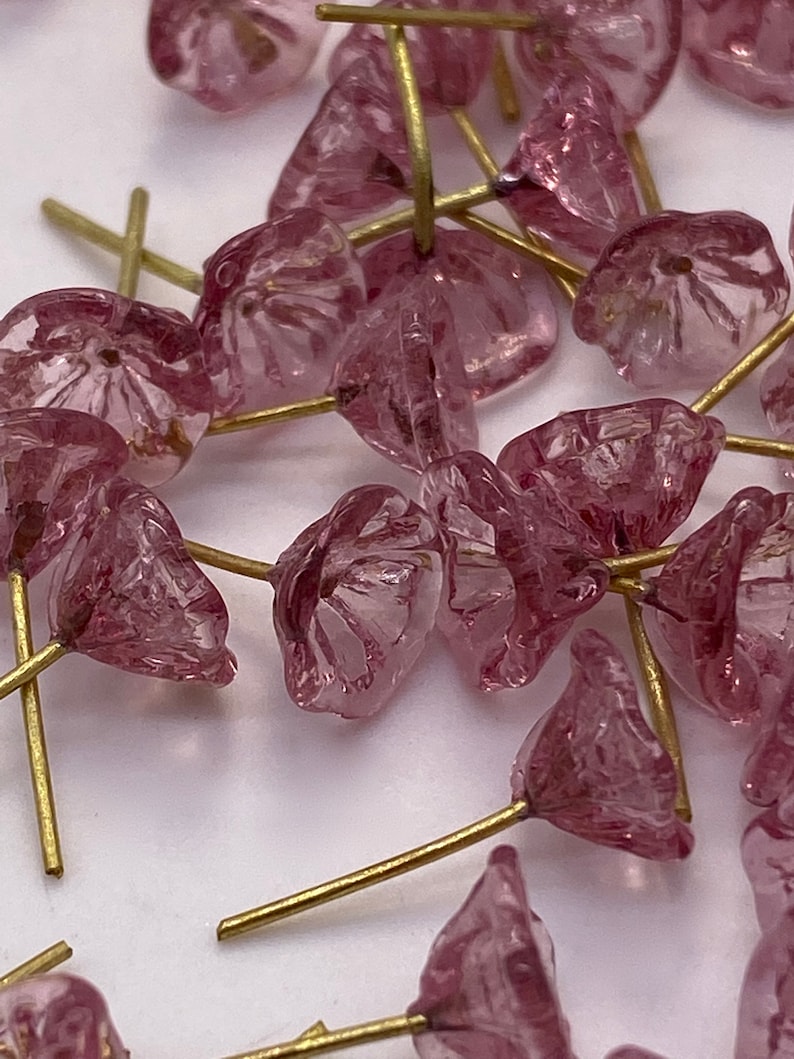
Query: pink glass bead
[(487, 989), (631, 44), (592, 766), (356, 598), (724, 604), (353, 158), (517, 572), (502, 311), (768, 859), (400, 382), (276, 303), (632, 1051), (632, 472), (765, 1027), (744, 47), (126, 592), (677, 298), (136, 366), (52, 459), (571, 151), (450, 63), (56, 1015), (231, 55), (777, 399)]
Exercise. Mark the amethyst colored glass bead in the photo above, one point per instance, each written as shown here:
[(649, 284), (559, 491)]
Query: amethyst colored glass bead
[(136, 366), (768, 859), (356, 598), (277, 301), (592, 766), (676, 299), (232, 55), (517, 571), (401, 383), (52, 460), (632, 472), (631, 44), (632, 1051), (569, 176), (765, 1025), (487, 989), (777, 399), (744, 47), (504, 319), (56, 1015), (353, 159), (450, 63), (127, 593)]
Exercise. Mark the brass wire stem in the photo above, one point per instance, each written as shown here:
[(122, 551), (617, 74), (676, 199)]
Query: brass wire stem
[(660, 704), (642, 171), (40, 775), (43, 961), (132, 243), (70, 220), (486, 161), (418, 143), (36, 664), (749, 362), (311, 1043), (630, 587), (395, 16), (235, 564), (620, 565), (566, 270), (254, 918), (760, 446), (505, 86), (444, 206), (312, 406)]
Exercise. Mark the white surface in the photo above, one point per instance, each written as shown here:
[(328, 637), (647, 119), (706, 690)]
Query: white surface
[(178, 806)]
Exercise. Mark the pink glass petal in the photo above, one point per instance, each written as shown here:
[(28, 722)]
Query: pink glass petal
[(777, 399), (450, 63), (765, 1028), (400, 382), (631, 44), (126, 592), (231, 55), (592, 766), (517, 571), (487, 989), (56, 1015), (676, 299), (353, 158), (276, 303), (136, 366), (501, 306), (52, 459), (632, 472), (744, 47), (720, 619), (570, 148), (768, 859), (356, 598)]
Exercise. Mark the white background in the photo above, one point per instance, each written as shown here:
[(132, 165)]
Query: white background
[(181, 805)]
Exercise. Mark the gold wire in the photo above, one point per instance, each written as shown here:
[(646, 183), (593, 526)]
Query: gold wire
[(642, 171), (444, 206), (418, 144), (313, 406), (760, 446), (620, 565), (40, 775), (749, 362), (43, 961), (36, 664), (505, 86), (263, 915), (660, 705), (566, 270), (364, 1033), (628, 586), (235, 564), (395, 16), (132, 243)]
